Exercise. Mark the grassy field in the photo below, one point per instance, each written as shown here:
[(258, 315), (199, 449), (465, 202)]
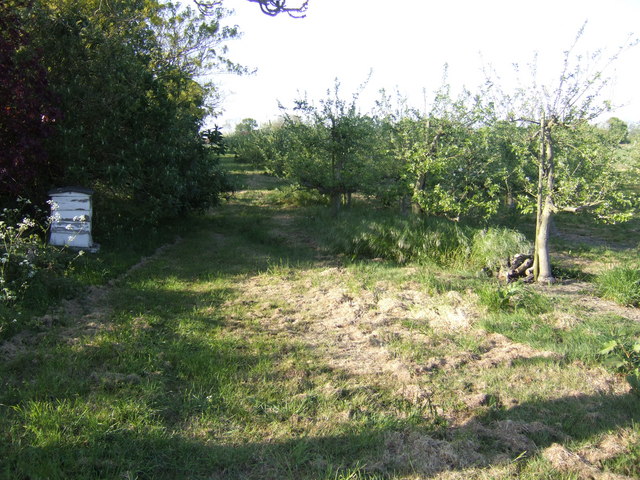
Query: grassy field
[(248, 349)]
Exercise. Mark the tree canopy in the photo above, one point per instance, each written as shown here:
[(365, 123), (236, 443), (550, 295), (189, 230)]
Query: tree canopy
[(106, 95), (28, 108), (469, 158)]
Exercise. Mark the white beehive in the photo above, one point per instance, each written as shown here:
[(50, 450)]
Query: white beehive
[(71, 212)]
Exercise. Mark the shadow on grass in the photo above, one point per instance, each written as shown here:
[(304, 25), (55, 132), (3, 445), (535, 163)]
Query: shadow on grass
[(495, 439), (171, 394)]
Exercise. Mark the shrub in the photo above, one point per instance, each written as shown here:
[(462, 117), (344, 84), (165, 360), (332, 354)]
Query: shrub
[(29, 268), (620, 284)]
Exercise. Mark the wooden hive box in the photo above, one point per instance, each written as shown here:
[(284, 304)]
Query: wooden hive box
[(71, 212)]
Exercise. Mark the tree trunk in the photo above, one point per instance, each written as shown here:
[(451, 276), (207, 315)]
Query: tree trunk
[(421, 181), (418, 187), (405, 201), (347, 199), (543, 268), (336, 173), (509, 201), (545, 208), (336, 202)]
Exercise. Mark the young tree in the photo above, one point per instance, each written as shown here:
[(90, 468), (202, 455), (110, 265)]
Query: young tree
[(574, 163), (214, 139), (448, 169), (244, 142), (331, 148), (618, 129)]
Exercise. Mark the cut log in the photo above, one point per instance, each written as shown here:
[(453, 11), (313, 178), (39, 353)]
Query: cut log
[(518, 267)]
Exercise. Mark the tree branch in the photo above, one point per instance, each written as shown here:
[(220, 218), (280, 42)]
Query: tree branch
[(275, 7), (580, 208), (268, 7)]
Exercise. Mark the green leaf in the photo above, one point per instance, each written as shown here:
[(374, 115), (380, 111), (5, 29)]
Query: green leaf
[(609, 347)]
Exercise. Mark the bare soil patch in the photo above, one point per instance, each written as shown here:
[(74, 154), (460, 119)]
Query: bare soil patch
[(359, 332), (583, 296)]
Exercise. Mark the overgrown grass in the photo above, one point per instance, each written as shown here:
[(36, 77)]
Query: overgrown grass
[(380, 234), (294, 195), (620, 284)]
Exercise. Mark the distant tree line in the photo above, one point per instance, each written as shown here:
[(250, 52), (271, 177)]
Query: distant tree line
[(470, 157)]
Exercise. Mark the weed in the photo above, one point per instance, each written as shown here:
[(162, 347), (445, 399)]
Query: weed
[(624, 356), (514, 297)]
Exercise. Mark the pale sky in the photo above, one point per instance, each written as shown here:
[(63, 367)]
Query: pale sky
[(405, 43)]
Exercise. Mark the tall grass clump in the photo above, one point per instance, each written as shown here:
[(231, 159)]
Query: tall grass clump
[(423, 240), (620, 284), (294, 195), (492, 246), (514, 297), (400, 239)]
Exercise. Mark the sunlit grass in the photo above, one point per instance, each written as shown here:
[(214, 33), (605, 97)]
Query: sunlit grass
[(621, 284)]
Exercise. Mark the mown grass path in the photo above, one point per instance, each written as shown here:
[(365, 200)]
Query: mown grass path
[(245, 351)]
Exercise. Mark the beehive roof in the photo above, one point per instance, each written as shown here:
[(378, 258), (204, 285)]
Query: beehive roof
[(86, 191)]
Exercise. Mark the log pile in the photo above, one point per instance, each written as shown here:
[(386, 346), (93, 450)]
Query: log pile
[(519, 267)]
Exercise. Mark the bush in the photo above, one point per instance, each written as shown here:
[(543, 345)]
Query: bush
[(29, 268), (620, 284), (624, 356)]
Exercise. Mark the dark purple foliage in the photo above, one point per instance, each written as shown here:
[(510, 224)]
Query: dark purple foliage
[(27, 114)]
